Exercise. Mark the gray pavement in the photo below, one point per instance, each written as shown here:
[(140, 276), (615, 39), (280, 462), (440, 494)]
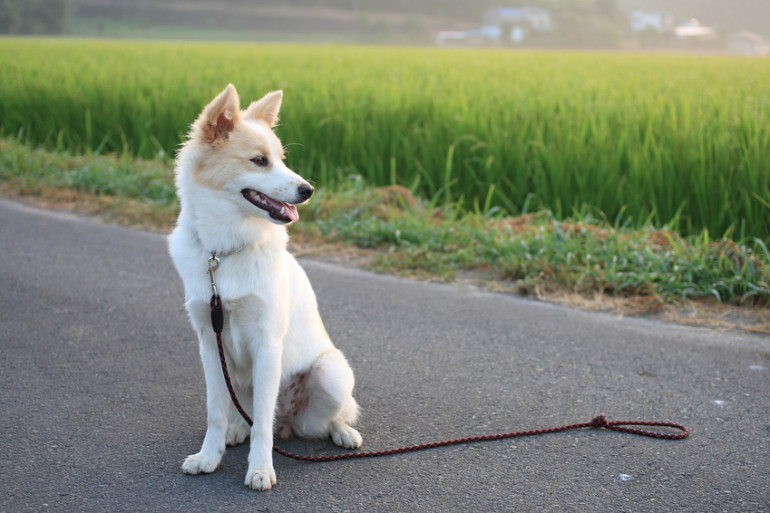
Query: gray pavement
[(102, 394)]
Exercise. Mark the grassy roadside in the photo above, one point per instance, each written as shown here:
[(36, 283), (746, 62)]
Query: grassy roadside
[(588, 263)]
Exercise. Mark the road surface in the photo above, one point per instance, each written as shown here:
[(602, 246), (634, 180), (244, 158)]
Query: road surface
[(102, 394)]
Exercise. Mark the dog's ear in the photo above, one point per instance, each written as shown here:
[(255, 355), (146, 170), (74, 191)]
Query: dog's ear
[(218, 118), (266, 108)]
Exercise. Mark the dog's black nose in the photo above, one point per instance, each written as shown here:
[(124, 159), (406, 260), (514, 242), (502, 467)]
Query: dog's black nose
[(305, 191)]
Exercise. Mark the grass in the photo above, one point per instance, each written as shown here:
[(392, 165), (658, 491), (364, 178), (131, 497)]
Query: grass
[(667, 140), (538, 251), (534, 254), (130, 191)]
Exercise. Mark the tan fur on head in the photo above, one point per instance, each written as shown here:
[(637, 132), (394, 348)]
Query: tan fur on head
[(214, 168), (218, 118), (222, 125)]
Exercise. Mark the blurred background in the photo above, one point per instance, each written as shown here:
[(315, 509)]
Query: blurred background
[(737, 26)]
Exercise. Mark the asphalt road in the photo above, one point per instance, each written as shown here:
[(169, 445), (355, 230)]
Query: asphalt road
[(102, 394)]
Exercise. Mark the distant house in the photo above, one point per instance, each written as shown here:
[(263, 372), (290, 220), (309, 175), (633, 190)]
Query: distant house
[(505, 25), (657, 21), (747, 43), (693, 30)]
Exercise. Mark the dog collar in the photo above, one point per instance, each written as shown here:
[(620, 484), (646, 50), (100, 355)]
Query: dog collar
[(220, 254), (223, 254)]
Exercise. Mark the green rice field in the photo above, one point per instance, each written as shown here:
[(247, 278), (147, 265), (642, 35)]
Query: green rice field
[(678, 140)]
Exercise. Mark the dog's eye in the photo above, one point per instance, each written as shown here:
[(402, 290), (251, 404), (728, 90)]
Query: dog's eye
[(261, 161)]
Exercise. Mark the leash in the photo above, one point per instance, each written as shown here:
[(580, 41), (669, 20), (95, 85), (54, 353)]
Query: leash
[(598, 422)]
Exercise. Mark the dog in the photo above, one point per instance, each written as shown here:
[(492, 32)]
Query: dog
[(237, 198)]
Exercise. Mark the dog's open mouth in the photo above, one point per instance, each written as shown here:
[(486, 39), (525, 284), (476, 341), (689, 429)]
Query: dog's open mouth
[(278, 210)]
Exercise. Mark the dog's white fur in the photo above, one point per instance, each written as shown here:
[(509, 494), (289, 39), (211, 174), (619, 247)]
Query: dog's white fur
[(287, 373)]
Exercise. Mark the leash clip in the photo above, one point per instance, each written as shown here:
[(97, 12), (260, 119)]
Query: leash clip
[(217, 315), (213, 266)]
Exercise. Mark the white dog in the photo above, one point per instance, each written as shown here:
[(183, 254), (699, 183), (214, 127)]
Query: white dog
[(237, 197)]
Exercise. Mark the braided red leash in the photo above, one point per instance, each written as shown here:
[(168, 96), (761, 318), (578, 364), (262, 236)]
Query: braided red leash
[(217, 322), (598, 422)]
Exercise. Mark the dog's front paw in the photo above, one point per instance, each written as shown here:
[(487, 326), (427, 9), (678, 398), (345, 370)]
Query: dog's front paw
[(261, 479), (199, 464), (347, 437)]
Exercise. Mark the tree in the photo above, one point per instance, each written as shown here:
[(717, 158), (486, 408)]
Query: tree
[(33, 16), (10, 16)]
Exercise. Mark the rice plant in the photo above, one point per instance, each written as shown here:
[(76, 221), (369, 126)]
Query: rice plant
[(665, 139)]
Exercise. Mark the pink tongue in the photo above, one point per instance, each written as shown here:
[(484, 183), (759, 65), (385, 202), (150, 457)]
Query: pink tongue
[(289, 211)]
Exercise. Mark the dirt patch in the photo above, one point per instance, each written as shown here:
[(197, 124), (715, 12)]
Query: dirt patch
[(113, 209)]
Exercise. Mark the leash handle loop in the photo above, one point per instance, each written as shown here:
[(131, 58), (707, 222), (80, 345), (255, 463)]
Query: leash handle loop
[(622, 426), (217, 314)]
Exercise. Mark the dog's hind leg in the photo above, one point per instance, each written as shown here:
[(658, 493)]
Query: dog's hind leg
[(237, 428), (329, 409)]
